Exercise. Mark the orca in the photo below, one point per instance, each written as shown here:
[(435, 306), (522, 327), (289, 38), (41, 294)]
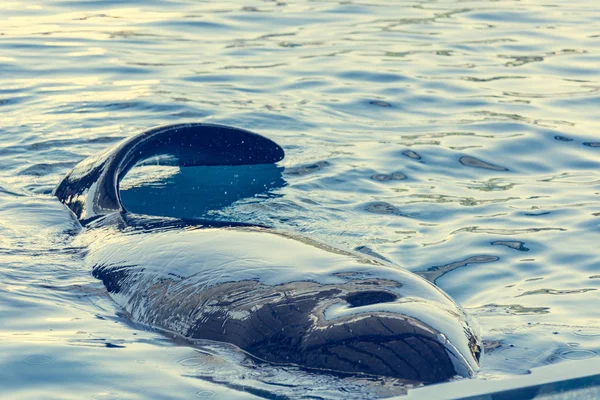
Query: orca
[(280, 297)]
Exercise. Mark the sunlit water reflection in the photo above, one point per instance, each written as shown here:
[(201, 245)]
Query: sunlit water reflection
[(458, 139)]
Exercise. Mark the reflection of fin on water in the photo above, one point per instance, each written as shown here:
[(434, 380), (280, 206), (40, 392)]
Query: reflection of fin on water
[(91, 189), (191, 192)]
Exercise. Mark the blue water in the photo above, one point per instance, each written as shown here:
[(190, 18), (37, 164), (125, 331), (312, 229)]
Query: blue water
[(459, 139)]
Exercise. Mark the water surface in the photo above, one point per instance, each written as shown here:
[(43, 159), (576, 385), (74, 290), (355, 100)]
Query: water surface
[(459, 139)]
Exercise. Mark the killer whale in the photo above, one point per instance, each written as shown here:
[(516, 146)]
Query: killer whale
[(280, 297)]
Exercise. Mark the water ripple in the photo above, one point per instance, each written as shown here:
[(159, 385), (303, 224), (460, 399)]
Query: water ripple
[(457, 139)]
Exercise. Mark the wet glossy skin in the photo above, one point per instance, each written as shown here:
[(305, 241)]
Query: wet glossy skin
[(280, 297)]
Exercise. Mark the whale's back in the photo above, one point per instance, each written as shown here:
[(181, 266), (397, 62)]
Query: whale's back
[(286, 299)]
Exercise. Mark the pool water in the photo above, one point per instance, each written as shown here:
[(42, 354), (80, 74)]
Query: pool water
[(458, 139)]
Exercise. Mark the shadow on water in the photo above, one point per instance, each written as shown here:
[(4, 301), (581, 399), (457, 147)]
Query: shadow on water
[(192, 192)]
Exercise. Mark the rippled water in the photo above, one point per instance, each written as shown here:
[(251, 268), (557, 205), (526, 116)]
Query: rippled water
[(458, 139)]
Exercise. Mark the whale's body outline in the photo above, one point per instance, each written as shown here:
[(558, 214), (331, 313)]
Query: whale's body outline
[(280, 297)]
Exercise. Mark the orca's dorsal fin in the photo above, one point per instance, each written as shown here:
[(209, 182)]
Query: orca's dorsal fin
[(91, 189)]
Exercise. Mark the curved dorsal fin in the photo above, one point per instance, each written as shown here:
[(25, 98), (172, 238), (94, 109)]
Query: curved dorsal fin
[(91, 189)]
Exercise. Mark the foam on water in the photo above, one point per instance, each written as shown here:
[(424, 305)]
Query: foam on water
[(457, 139)]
